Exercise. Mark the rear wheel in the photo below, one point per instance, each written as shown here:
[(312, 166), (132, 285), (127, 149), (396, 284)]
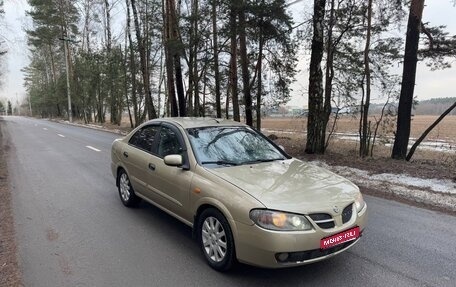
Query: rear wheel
[(126, 192), (216, 240)]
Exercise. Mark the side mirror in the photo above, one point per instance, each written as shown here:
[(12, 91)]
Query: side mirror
[(282, 148), (173, 160)]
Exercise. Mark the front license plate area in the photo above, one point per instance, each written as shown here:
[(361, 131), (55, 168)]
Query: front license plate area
[(340, 238)]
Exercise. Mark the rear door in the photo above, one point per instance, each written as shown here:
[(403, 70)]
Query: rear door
[(137, 153)]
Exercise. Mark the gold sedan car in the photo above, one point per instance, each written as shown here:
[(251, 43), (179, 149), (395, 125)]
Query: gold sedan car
[(245, 198)]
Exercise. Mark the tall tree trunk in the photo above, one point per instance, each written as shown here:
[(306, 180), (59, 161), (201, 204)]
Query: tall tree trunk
[(169, 61), (218, 106), (108, 27), (160, 84), (176, 57), (329, 74), (125, 74), (111, 93), (365, 134), (260, 81), (203, 110), (193, 96), (315, 136), (245, 65), (86, 30), (227, 102), (180, 86), (408, 80), (144, 65), (134, 98), (192, 58), (196, 79), (233, 64)]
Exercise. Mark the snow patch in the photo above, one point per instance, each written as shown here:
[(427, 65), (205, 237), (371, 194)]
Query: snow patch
[(433, 184), (436, 192)]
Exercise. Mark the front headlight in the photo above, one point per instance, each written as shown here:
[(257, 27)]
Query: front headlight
[(280, 221), (359, 203)]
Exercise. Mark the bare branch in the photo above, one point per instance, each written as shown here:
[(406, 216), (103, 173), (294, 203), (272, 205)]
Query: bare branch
[(429, 35)]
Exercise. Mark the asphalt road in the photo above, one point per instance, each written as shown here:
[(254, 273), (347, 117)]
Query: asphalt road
[(72, 229)]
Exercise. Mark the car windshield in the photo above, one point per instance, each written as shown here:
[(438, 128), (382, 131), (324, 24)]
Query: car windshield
[(229, 146)]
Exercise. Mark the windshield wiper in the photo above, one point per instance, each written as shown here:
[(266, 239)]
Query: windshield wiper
[(219, 162), (262, 160)]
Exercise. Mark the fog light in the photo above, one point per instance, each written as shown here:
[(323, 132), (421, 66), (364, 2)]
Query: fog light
[(282, 257)]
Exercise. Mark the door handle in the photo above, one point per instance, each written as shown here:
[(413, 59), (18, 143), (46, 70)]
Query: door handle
[(125, 154), (151, 166)]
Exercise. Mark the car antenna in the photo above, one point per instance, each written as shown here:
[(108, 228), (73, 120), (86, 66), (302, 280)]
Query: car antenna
[(217, 121)]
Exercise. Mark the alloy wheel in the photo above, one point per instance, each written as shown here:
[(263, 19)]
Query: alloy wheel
[(124, 187), (214, 239)]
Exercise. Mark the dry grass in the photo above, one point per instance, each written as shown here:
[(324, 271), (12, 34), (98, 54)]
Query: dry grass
[(347, 124), (424, 164)]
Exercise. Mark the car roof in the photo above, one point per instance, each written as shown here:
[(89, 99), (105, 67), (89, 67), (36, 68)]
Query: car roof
[(187, 122)]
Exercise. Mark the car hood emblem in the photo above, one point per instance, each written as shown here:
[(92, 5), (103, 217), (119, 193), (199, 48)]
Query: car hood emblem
[(336, 209)]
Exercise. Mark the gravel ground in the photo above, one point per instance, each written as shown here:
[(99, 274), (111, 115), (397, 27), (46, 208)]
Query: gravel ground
[(9, 269)]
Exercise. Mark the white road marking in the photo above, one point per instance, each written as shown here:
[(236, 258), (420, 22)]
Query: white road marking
[(45, 129), (92, 148), (62, 136)]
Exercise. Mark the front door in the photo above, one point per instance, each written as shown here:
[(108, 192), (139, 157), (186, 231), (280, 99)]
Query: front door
[(172, 184)]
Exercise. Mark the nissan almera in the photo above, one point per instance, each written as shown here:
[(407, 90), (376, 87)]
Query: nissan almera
[(245, 198)]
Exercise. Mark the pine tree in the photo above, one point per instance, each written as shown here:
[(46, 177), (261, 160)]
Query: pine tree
[(315, 123), (440, 46), (51, 23)]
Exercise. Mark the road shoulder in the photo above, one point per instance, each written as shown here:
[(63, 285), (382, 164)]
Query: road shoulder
[(9, 268)]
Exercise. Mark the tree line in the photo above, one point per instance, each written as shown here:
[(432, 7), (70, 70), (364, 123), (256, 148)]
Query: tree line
[(434, 106), (192, 58), (231, 59)]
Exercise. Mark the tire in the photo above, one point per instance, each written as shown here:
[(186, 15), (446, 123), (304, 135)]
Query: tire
[(216, 240), (126, 192)]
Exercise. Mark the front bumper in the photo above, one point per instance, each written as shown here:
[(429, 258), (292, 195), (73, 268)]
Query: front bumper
[(259, 247)]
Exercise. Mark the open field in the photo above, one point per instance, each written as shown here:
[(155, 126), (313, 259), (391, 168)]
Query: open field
[(292, 134), (446, 130), (343, 149), (348, 124)]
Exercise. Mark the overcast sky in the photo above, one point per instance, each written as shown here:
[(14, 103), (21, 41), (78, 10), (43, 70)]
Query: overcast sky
[(429, 84)]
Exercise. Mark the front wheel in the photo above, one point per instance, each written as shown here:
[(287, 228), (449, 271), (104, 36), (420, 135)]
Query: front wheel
[(126, 192), (216, 240)]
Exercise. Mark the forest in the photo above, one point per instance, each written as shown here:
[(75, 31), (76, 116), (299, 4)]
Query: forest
[(102, 60), (434, 106)]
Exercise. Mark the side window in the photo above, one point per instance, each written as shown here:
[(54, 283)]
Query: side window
[(144, 138), (169, 143)]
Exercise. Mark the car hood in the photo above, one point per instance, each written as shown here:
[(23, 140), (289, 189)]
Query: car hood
[(291, 185)]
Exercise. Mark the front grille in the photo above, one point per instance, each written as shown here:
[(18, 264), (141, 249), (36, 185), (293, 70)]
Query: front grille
[(347, 213), (294, 257), (323, 220), (320, 216)]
